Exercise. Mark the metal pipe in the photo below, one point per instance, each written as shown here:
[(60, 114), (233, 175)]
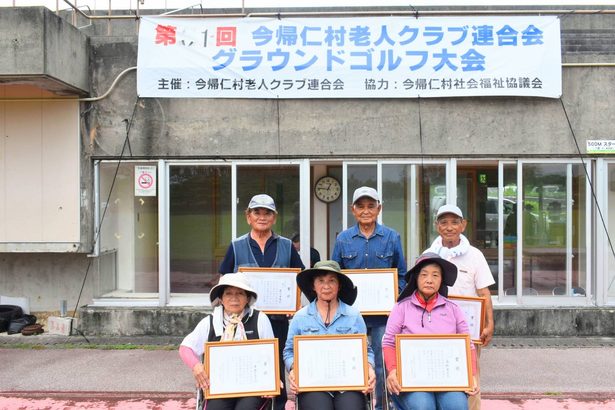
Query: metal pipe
[(414, 13), (98, 17), (89, 99)]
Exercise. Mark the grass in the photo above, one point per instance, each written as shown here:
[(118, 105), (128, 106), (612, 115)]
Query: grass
[(123, 346)]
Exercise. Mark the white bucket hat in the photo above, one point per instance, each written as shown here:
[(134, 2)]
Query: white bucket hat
[(237, 280)]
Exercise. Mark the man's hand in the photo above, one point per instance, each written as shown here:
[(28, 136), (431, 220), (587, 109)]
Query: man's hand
[(487, 333)]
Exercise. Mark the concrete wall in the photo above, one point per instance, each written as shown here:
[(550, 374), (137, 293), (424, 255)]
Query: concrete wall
[(509, 322), (44, 49), (47, 278), (493, 126)]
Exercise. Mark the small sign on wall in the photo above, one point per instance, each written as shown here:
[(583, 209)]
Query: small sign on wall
[(145, 180), (601, 146)]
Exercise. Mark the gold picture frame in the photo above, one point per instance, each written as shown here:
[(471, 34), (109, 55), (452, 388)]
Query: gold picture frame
[(242, 368), (330, 362)]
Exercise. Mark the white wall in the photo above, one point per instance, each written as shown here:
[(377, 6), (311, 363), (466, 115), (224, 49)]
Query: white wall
[(39, 171)]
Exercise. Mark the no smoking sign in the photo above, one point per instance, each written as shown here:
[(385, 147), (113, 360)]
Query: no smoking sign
[(145, 180)]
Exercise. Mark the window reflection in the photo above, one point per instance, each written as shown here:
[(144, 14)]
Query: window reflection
[(611, 228), (549, 251), (279, 182), (200, 225)]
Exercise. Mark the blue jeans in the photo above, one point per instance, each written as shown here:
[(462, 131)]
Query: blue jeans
[(376, 326), (448, 400)]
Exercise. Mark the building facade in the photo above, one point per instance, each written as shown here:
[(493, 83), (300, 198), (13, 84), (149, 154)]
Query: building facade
[(78, 139)]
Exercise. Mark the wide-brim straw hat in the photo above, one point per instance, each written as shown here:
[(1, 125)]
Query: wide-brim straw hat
[(449, 274), (305, 280), (237, 280)]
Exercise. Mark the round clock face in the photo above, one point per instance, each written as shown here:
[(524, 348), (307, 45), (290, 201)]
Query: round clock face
[(327, 189)]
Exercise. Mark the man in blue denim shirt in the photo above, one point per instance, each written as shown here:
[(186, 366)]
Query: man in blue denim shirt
[(369, 245)]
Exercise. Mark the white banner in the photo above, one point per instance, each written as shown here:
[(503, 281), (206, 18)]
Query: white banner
[(375, 57)]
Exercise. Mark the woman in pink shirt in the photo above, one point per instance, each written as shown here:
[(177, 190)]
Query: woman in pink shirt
[(423, 308)]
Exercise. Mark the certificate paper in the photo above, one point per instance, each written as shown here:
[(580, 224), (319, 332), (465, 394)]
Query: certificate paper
[(434, 362), (474, 310), (376, 290), (276, 287), (242, 368), (330, 362)]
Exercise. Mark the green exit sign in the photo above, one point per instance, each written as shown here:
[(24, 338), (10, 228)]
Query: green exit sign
[(482, 178)]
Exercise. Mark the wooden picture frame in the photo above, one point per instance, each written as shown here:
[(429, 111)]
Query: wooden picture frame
[(277, 289), (242, 368), (474, 309), (377, 290), (434, 362), (330, 362)]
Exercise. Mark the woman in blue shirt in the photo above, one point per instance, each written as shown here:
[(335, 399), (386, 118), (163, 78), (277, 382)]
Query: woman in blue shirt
[(331, 294)]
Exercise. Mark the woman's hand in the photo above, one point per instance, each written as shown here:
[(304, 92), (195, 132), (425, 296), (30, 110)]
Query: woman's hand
[(291, 381), (475, 390), (202, 381), (392, 382), (273, 397), (371, 380)]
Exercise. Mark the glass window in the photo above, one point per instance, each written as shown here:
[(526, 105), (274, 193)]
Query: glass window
[(510, 227), (199, 225), (128, 234), (610, 280), (359, 175), (281, 182), (477, 196), (397, 187), (432, 195), (554, 251)]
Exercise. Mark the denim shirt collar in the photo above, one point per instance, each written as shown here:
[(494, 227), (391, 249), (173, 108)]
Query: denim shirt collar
[(355, 231), (341, 311)]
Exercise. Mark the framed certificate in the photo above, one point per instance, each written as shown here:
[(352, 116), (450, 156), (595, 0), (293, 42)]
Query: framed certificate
[(376, 290), (277, 289), (474, 309), (330, 362), (242, 368), (434, 362)]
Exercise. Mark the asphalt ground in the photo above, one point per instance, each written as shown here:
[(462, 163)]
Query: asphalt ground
[(49, 371)]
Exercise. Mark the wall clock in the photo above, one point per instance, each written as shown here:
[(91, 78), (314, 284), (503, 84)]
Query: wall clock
[(327, 189)]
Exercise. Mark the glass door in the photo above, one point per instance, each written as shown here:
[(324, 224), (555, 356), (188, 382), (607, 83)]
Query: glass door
[(411, 194), (607, 247), (206, 210), (199, 225), (550, 236)]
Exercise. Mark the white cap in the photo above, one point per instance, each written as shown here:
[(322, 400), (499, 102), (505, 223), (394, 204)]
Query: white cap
[(449, 209), (262, 201), (365, 191)]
